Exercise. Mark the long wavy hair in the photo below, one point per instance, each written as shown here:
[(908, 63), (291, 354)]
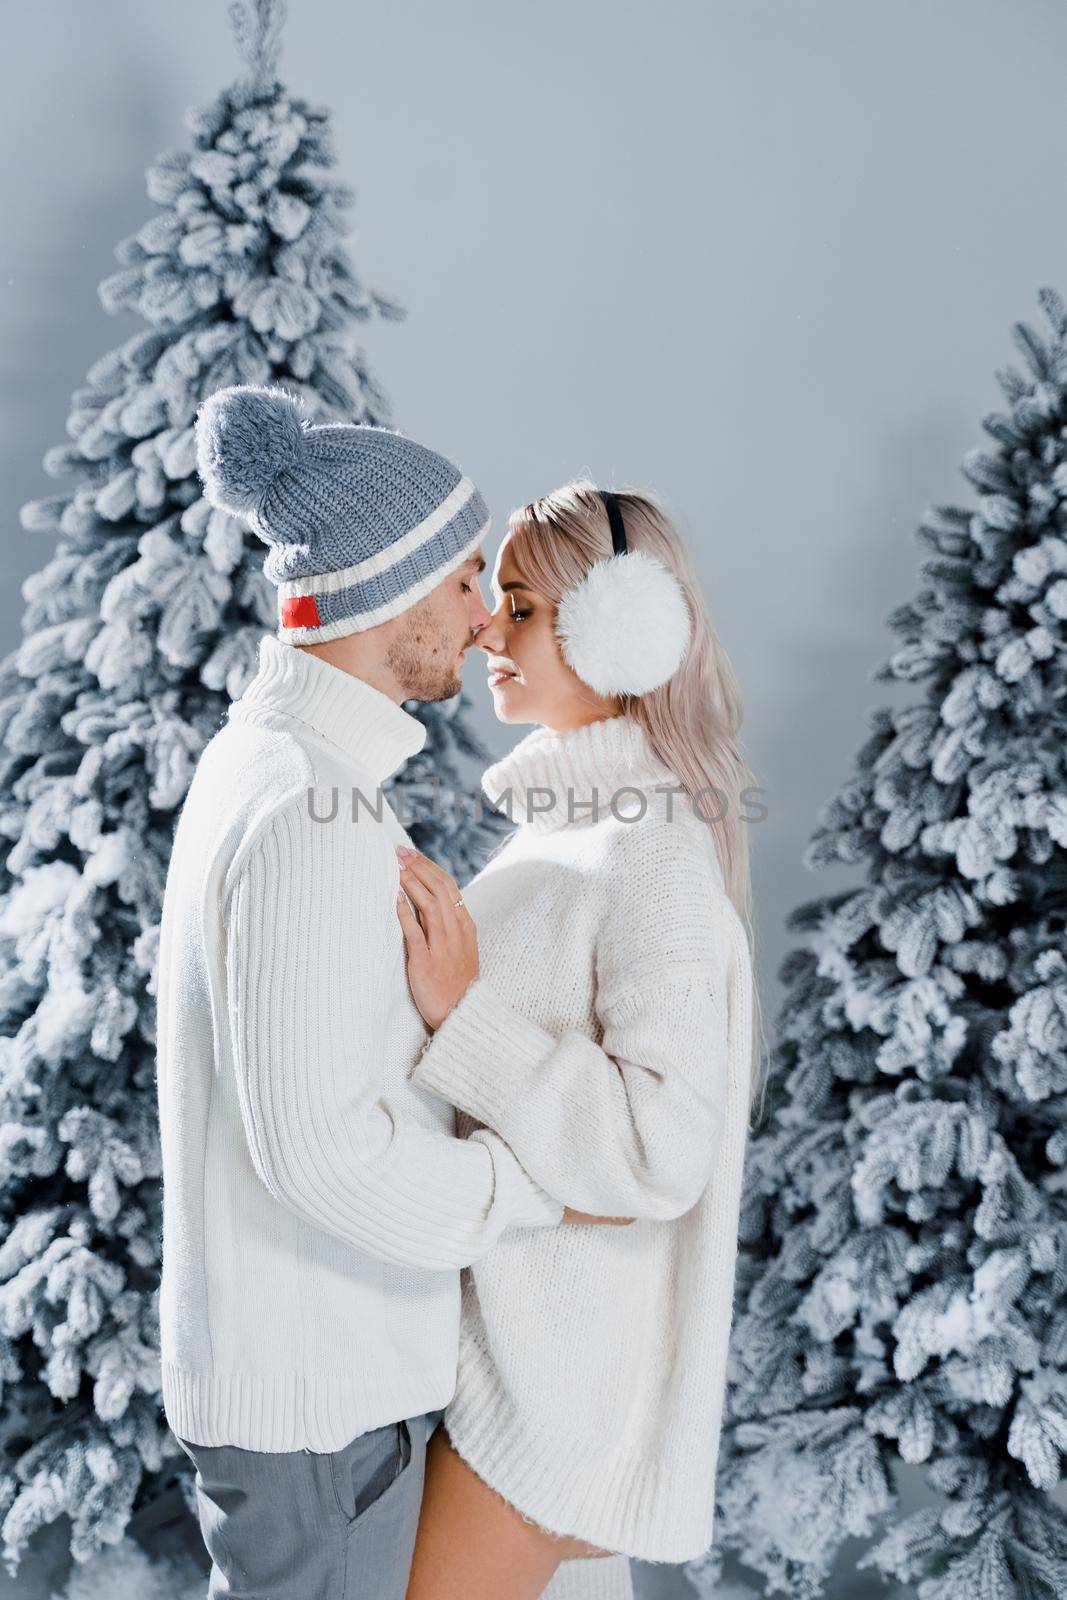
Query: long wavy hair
[(693, 722)]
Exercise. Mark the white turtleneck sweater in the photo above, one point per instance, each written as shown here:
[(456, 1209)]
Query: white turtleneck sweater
[(607, 1039), (317, 1206)]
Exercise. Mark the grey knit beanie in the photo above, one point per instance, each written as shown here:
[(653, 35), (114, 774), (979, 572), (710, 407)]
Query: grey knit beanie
[(361, 521)]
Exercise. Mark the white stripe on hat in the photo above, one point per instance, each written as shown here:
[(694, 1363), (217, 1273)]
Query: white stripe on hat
[(330, 582), (392, 608)]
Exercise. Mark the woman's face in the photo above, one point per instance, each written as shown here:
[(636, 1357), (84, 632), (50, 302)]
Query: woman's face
[(528, 677)]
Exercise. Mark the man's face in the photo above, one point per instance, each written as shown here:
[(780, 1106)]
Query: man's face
[(427, 652)]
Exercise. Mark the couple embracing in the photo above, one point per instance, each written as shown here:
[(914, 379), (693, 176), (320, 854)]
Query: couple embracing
[(451, 1176)]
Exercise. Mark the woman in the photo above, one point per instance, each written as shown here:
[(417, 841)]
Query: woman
[(590, 998)]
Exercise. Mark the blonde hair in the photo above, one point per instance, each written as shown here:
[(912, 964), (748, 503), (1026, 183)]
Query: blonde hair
[(693, 722)]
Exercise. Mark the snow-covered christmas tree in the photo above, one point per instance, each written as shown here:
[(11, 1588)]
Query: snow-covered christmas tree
[(902, 1290), (138, 632)]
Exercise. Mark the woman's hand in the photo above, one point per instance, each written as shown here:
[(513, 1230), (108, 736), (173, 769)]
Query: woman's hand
[(441, 941), (442, 954)]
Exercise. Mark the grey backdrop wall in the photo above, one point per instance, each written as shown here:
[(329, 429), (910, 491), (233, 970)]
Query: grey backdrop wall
[(760, 257)]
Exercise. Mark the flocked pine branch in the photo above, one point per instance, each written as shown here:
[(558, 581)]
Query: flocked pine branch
[(138, 630), (901, 1289)]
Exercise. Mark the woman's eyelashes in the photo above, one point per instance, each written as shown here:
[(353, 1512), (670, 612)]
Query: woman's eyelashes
[(516, 613)]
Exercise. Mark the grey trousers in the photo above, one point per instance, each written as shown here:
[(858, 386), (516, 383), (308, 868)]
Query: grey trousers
[(300, 1525)]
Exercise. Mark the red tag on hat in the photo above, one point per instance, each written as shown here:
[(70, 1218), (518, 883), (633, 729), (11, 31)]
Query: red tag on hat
[(300, 611)]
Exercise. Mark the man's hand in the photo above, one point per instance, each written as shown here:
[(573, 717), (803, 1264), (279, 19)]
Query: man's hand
[(440, 936), (583, 1216)]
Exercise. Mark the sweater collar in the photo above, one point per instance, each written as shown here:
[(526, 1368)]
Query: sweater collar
[(570, 771), (369, 728)]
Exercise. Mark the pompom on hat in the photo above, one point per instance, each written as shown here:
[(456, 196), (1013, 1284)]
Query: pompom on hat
[(362, 522), (625, 627)]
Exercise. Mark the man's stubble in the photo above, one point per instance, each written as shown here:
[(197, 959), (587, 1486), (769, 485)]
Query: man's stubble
[(422, 656)]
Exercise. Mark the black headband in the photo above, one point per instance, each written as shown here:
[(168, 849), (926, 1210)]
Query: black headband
[(618, 532)]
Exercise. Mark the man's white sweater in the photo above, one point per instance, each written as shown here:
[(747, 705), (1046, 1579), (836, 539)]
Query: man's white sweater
[(316, 1204)]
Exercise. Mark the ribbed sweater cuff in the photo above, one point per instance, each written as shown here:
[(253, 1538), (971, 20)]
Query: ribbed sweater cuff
[(482, 1055), (524, 1202)]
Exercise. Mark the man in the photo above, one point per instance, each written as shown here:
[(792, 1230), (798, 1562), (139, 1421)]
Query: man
[(317, 1206)]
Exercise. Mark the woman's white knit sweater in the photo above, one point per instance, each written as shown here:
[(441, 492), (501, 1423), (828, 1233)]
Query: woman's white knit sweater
[(607, 1041)]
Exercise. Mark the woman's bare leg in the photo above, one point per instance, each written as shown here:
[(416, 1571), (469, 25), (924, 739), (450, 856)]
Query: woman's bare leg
[(471, 1544)]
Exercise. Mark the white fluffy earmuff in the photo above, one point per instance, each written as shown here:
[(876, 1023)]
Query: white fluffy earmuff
[(625, 627)]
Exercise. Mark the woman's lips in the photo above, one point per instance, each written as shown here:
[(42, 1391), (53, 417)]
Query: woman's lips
[(500, 677)]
